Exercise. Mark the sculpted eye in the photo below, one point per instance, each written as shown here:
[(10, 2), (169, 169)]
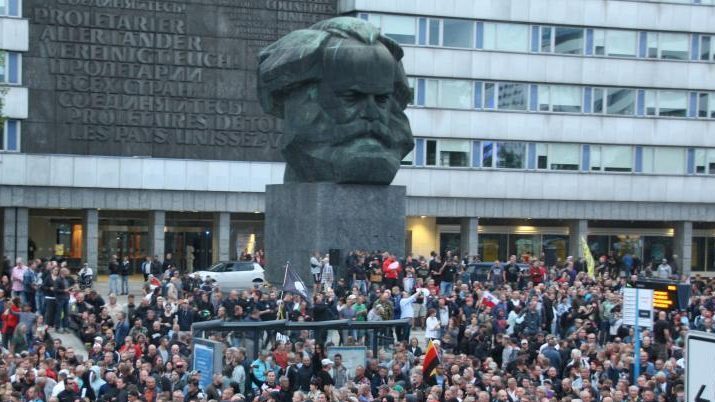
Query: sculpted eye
[(350, 96), (382, 99)]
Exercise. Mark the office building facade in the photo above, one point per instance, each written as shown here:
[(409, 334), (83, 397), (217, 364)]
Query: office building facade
[(537, 123)]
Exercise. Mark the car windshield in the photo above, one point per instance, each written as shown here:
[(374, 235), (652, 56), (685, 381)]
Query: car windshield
[(217, 268)]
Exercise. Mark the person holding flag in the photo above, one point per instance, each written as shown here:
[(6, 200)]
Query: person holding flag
[(430, 363), (590, 263)]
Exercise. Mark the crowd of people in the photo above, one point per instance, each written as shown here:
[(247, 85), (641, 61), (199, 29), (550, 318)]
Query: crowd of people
[(526, 333)]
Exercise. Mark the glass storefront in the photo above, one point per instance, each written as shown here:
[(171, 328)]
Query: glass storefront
[(55, 234), (655, 248), (556, 248), (493, 247), (626, 244), (246, 238), (525, 246), (123, 237)]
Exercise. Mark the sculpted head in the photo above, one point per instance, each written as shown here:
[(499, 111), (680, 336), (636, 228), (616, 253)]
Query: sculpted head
[(341, 89)]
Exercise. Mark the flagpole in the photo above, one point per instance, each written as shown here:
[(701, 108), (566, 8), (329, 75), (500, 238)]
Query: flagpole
[(285, 276)]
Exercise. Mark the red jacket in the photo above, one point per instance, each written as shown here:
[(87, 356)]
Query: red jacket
[(390, 273), (10, 318)]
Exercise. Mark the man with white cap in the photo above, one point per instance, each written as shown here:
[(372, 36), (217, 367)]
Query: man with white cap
[(326, 380)]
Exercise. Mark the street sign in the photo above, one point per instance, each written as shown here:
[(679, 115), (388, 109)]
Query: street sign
[(638, 307), (699, 379)]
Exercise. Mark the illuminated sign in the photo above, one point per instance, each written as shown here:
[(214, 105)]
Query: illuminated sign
[(665, 293)]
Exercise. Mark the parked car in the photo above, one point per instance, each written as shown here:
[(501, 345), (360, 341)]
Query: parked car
[(235, 274)]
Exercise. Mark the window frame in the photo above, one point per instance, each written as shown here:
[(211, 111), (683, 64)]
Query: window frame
[(7, 71), (17, 6), (5, 135)]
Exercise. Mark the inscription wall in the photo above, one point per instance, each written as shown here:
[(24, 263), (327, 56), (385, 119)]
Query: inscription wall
[(161, 78)]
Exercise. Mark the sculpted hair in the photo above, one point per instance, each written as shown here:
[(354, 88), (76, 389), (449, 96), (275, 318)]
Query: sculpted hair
[(297, 59)]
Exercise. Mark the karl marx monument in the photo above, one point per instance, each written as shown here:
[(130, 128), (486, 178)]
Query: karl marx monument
[(341, 90)]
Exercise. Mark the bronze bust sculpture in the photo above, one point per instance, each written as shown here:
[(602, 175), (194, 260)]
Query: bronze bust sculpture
[(341, 89)]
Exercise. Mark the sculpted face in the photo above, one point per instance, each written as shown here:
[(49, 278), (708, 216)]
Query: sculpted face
[(344, 129)]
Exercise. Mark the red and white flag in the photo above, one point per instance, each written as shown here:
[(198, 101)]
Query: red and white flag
[(154, 282), (488, 299)]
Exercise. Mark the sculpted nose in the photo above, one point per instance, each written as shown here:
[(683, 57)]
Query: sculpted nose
[(371, 111)]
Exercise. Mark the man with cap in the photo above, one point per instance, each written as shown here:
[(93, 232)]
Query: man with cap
[(326, 380)]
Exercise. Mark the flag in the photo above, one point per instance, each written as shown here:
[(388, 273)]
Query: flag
[(489, 300), (154, 282), (590, 263), (292, 283), (429, 366)]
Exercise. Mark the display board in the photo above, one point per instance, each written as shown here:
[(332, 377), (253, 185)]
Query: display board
[(638, 307), (207, 357), (353, 356), (699, 379), (159, 78), (665, 293)]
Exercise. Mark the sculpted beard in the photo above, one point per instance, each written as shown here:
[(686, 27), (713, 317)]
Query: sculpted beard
[(316, 139)]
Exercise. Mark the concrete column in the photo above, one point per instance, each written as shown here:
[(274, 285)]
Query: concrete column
[(15, 232), (469, 236), (90, 237), (577, 229), (157, 221), (222, 234), (683, 246)]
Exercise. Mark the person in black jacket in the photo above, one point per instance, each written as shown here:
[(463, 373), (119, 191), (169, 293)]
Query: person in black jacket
[(113, 269), (70, 393), (124, 269), (62, 296), (48, 283)]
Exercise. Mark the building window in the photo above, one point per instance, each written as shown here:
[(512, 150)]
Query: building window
[(10, 136), (560, 98), (666, 103), (456, 94), (568, 40), (11, 68), (706, 47), (401, 29), (454, 153), (615, 43), (706, 106), (611, 158), (558, 156), (458, 33), (663, 160), (616, 101), (409, 159), (705, 161), (669, 46), (512, 96), (431, 153), (504, 155), (505, 36), (11, 8), (433, 32), (431, 93)]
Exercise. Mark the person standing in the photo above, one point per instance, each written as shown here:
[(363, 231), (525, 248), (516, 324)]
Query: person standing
[(327, 275), (62, 297), (124, 269), (113, 269), (18, 280), (391, 270), (146, 268), (664, 270)]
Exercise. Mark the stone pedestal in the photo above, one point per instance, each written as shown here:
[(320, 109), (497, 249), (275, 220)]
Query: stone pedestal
[(302, 218)]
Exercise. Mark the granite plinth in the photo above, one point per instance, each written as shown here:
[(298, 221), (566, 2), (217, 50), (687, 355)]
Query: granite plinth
[(302, 218)]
